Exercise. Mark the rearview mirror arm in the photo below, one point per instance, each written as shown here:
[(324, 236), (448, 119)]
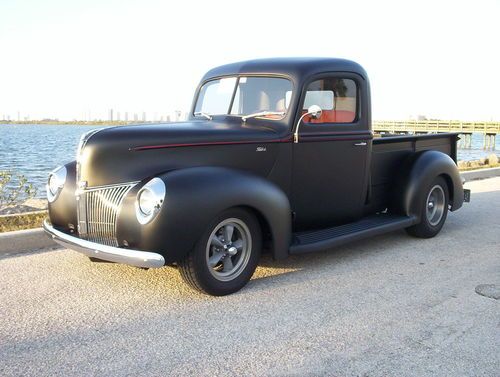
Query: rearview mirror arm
[(315, 111)]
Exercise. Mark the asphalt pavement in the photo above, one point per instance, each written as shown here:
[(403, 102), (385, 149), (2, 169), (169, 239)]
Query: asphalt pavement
[(389, 306)]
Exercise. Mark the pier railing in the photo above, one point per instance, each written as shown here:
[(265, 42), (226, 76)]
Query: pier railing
[(430, 126)]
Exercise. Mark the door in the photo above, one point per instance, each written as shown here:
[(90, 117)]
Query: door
[(329, 176)]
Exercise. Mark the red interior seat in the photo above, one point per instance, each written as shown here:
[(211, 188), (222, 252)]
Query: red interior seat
[(333, 116)]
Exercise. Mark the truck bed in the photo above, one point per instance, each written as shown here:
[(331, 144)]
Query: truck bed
[(389, 152)]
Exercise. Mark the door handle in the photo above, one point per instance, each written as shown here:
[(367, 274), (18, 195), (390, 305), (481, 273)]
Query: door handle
[(362, 144)]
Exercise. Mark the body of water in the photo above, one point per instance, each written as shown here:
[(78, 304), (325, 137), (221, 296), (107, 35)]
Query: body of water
[(34, 150), (476, 151)]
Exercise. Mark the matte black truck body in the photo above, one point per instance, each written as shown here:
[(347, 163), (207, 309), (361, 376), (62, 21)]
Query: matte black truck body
[(336, 184)]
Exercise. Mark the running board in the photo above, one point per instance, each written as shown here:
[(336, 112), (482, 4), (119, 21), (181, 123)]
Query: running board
[(370, 226)]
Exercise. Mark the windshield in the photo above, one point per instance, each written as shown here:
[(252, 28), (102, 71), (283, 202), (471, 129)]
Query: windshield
[(243, 96)]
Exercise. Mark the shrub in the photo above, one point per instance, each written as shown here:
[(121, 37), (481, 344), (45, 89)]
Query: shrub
[(14, 189)]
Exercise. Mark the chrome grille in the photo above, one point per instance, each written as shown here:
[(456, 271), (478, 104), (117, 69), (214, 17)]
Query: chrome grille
[(98, 211)]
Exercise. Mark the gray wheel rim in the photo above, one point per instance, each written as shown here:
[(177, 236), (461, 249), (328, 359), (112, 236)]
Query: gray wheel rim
[(435, 205), (228, 249)]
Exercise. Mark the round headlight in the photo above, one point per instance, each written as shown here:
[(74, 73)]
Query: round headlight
[(149, 200), (55, 184), (146, 202)]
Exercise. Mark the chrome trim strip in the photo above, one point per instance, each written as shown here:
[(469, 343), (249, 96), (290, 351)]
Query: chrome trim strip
[(114, 185), (81, 209), (105, 187), (137, 258)]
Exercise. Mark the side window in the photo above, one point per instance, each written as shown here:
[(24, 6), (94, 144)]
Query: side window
[(336, 97)]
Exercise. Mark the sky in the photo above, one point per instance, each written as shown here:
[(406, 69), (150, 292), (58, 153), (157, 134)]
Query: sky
[(64, 58)]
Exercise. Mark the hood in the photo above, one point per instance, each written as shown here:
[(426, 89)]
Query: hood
[(133, 153), (173, 134)]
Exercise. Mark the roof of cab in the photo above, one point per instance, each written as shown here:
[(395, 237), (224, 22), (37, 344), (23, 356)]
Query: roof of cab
[(296, 68)]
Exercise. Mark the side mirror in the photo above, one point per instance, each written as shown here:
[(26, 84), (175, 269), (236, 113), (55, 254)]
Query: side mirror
[(315, 112)]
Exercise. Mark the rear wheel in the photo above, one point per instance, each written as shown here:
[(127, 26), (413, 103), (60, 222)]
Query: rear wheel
[(433, 210), (225, 257)]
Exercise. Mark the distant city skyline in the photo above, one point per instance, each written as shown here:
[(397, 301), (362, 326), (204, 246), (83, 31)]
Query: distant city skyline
[(62, 59), (110, 115), (114, 115)]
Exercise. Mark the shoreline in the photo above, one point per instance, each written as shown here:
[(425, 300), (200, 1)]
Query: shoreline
[(30, 205), (492, 161)]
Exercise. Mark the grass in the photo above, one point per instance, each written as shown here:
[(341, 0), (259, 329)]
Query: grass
[(468, 168), (475, 165), (22, 221)]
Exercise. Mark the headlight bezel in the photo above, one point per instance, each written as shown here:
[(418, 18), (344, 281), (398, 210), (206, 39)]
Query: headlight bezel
[(157, 189), (58, 177)]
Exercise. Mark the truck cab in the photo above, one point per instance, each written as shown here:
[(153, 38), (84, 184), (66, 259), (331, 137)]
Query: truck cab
[(276, 154)]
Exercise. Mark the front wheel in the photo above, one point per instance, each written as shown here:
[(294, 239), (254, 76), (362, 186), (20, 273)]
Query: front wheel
[(433, 210), (225, 257)]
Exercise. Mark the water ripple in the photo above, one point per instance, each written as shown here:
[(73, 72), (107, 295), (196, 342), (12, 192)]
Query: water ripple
[(34, 150)]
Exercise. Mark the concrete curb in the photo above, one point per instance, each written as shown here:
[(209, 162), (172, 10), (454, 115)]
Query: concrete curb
[(21, 241), (472, 175)]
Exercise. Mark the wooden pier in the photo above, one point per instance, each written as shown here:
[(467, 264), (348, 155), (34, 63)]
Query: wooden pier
[(466, 129)]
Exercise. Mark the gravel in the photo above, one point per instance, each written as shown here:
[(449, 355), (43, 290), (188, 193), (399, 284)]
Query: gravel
[(392, 305)]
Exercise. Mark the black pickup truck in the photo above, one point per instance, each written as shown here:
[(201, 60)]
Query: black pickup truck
[(277, 154)]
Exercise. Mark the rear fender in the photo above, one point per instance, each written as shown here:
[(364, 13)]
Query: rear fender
[(417, 173)]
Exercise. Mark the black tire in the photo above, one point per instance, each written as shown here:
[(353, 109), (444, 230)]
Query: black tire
[(430, 225), (198, 268)]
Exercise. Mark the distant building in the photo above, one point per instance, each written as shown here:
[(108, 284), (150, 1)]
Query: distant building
[(126, 116), (110, 115), (418, 117)]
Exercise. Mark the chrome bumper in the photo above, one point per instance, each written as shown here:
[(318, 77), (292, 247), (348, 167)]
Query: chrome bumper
[(135, 258)]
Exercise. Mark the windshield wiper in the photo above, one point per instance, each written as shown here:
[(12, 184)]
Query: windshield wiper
[(198, 113), (261, 114)]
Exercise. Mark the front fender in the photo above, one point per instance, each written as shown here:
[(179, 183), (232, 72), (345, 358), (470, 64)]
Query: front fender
[(194, 196), (62, 212), (417, 173)]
